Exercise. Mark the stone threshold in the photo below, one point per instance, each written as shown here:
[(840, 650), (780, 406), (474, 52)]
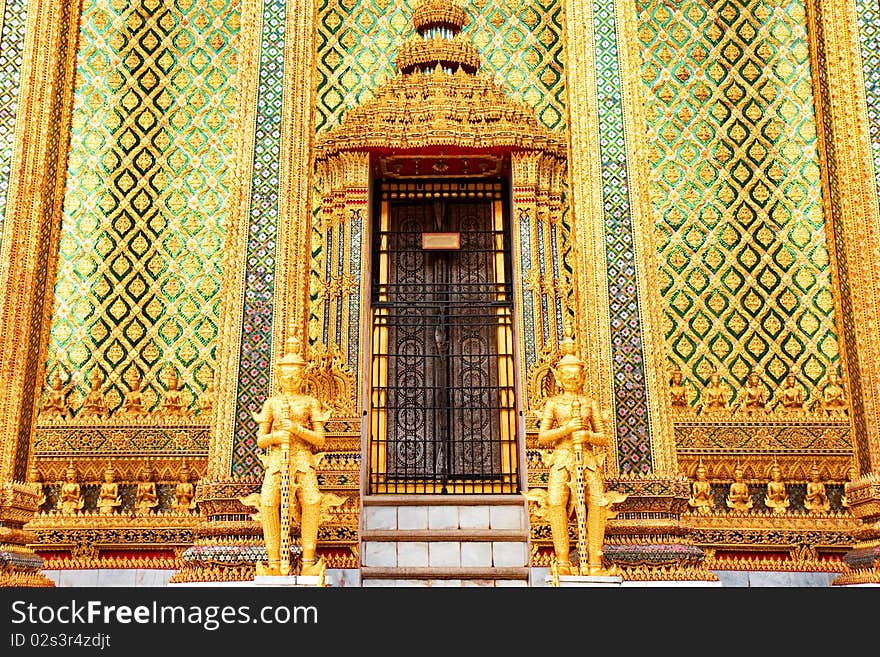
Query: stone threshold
[(443, 500), (444, 573), (427, 535)]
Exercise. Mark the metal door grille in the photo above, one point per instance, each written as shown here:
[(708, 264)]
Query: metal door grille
[(442, 416)]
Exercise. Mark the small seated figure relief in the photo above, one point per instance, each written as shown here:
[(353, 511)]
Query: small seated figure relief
[(55, 405), (133, 406), (738, 498), (94, 405), (108, 496), (753, 395), (70, 499), (701, 492), (146, 499), (172, 400), (790, 396), (207, 399), (37, 481), (678, 397), (816, 500), (776, 498), (852, 474), (184, 492), (833, 399), (714, 396)]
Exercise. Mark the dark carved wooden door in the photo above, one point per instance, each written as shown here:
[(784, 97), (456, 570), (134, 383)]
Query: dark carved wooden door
[(443, 397)]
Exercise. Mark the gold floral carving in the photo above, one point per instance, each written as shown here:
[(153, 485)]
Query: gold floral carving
[(438, 12), (417, 52), (235, 248), (428, 111)]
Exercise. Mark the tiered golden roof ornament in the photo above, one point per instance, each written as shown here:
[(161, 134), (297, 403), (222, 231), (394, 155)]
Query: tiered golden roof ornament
[(439, 98)]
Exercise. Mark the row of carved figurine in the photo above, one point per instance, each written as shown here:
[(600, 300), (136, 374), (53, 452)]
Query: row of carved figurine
[(753, 396), (71, 502), (56, 407), (776, 498)]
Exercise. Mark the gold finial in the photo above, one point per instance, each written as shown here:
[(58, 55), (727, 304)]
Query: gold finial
[(568, 346), (292, 346)]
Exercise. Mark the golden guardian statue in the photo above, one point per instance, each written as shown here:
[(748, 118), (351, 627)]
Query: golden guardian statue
[(291, 430), (572, 426)]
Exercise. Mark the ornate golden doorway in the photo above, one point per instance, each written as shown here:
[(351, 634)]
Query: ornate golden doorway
[(442, 401)]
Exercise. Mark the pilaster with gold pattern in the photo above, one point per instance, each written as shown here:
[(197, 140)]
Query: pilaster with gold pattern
[(33, 213), (617, 298), (542, 247), (268, 251), (338, 292), (856, 236)]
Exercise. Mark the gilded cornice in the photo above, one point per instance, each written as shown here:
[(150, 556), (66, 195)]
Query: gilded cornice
[(18, 501), (863, 496), (52, 524), (88, 562), (418, 53), (439, 12), (90, 465), (438, 110), (790, 523)]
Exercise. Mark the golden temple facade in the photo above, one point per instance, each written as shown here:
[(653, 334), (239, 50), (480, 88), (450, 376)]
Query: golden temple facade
[(433, 196)]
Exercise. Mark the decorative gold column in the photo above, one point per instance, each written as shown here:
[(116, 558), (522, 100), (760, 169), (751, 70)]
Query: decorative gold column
[(585, 200), (297, 173), (29, 255), (227, 540), (856, 238), (344, 183), (647, 540)]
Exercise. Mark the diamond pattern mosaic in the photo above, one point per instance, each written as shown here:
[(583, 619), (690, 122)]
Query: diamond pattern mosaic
[(520, 43), (137, 290), (869, 37), (11, 45), (628, 363), (736, 191), (256, 340)]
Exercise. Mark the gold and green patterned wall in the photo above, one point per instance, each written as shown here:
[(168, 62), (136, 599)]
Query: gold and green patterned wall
[(736, 191), (148, 183), (520, 43), (521, 46)]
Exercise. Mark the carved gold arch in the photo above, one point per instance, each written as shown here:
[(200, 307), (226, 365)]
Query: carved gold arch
[(441, 125)]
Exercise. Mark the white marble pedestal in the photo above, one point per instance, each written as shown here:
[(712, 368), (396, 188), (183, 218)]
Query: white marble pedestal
[(586, 580), (287, 580)]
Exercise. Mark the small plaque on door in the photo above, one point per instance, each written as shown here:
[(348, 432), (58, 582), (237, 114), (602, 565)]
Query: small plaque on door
[(441, 241)]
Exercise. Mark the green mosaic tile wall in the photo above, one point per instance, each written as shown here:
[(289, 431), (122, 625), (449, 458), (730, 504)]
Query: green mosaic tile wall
[(137, 289), (735, 185)]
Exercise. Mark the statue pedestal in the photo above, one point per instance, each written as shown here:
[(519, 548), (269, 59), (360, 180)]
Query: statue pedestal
[(288, 580), (585, 580)]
